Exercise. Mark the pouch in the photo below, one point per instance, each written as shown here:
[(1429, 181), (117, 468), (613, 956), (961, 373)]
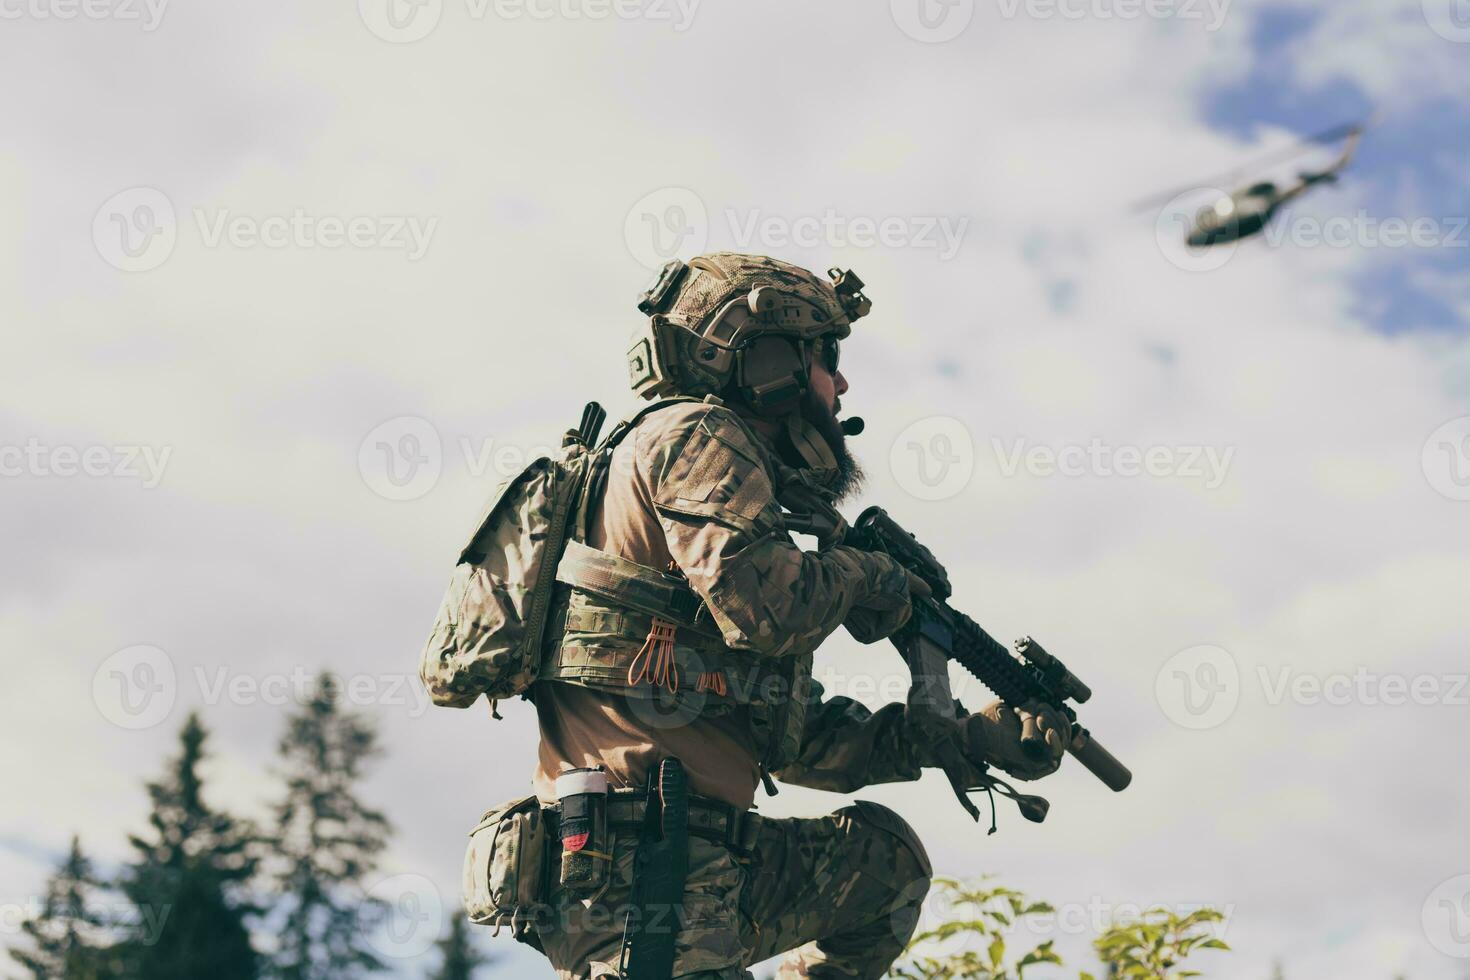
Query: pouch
[(583, 841), (505, 866)]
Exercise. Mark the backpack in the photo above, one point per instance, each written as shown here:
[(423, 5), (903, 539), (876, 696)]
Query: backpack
[(488, 635)]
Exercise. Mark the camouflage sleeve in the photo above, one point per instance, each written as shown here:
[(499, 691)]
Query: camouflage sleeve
[(845, 746), (724, 529)]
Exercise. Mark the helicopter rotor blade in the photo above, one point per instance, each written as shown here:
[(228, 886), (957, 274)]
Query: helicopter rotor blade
[(1300, 148)]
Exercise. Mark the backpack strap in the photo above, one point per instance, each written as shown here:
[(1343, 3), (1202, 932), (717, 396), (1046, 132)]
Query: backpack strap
[(602, 459)]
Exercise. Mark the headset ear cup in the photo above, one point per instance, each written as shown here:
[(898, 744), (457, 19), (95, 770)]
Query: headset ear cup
[(771, 374)]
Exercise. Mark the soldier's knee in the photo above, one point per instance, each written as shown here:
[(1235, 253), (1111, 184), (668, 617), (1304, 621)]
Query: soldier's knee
[(881, 820)]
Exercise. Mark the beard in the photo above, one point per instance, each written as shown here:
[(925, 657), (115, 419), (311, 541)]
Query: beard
[(850, 476)]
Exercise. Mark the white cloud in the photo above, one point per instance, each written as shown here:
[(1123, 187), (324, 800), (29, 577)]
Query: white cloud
[(264, 549)]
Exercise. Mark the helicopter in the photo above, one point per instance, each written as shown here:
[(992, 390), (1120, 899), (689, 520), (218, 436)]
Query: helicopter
[(1247, 211)]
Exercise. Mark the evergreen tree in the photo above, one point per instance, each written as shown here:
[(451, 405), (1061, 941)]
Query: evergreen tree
[(327, 842), (189, 881), (66, 936), (458, 957)]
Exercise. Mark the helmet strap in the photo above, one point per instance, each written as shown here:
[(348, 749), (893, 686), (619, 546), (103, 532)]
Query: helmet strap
[(812, 448)]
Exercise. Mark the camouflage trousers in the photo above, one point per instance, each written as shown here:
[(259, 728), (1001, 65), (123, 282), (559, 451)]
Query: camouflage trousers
[(840, 892)]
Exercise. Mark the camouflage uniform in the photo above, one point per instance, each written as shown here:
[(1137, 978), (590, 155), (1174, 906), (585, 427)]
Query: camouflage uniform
[(666, 612), (681, 622), (842, 890)]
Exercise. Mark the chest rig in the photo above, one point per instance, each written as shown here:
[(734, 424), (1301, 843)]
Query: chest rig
[(621, 626)]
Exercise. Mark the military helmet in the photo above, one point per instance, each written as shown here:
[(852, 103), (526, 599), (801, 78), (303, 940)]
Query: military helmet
[(728, 319)]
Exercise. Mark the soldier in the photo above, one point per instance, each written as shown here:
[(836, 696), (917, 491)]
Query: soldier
[(684, 628)]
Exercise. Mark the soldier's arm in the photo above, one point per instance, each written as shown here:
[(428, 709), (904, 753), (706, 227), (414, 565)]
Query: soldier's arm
[(845, 746), (724, 529)]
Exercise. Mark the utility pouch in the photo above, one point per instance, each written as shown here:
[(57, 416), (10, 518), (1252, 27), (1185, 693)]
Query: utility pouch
[(582, 831), (505, 867)]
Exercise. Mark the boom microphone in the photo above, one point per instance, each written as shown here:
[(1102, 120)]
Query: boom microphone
[(853, 426)]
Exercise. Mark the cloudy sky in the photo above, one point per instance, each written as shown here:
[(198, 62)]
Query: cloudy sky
[(284, 287)]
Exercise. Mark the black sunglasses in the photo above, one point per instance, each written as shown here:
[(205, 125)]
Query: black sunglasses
[(829, 350)]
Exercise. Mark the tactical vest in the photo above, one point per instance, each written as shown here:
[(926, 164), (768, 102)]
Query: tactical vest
[(621, 626)]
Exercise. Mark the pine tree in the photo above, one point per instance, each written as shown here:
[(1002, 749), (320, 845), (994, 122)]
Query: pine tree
[(458, 957), (189, 881), (327, 842), (67, 935)]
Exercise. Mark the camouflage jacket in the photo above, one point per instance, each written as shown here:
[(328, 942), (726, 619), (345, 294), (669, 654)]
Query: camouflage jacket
[(695, 486)]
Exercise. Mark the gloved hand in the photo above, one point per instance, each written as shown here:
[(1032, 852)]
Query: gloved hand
[(993, 735), (884, 615)]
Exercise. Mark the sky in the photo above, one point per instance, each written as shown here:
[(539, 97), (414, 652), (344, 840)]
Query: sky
[(285, 288)]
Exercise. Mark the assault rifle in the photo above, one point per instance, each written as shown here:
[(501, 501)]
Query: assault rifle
[(937, 633)]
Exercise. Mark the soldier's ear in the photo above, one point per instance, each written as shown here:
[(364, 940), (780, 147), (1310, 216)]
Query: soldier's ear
[(772, 375)]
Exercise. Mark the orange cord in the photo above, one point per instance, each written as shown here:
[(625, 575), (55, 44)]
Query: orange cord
[(713, 681), (657, 658)]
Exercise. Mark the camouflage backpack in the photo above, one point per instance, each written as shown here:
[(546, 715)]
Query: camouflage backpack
[(488, 635)]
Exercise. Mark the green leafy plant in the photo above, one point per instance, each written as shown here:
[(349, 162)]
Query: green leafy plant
[(1156, 946), (1153, 947), (984, 914)]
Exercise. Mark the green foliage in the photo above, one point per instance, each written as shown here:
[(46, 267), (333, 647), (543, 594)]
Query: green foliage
[(458, 957), (984, 915), (1152, 948), (194, 885), (189, 881), (65, 940), (1156, 946), (326, 842)]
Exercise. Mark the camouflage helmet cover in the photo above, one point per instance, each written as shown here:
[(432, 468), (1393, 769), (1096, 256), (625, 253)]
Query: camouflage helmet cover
[(701, 316)]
